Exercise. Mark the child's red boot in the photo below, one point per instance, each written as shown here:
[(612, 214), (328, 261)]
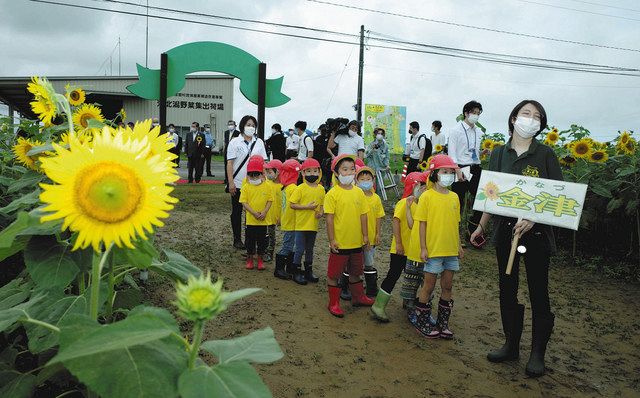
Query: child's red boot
[(261, 266), (358, 298), (334, 301), (249, 262)]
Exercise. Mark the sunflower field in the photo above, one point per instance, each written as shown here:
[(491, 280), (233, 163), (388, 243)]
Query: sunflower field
[(608, 238), (81, 199)]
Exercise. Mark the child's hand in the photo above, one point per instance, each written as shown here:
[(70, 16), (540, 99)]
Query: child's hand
[(312, 205), (365, 241), (333, 245), (261, 215), (460, 253), (319, 214), (378, 240), (424, 256), (399, 249)]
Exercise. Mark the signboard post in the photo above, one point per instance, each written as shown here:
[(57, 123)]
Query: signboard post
[(540, 200)]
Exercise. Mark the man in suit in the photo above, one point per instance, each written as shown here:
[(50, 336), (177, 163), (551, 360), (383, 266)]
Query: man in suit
[(194, 148)]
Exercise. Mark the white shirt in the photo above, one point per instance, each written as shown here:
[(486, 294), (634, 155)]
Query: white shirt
[(349, 145), (306, 145), (293, 142), (463, 141), (238, 150), (440, 139), (418, 143)]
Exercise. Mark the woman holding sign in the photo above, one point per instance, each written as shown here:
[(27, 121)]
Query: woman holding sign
[(523, 155)]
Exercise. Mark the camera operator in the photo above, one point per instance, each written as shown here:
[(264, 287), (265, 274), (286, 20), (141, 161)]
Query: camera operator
[(348, 140), (321, 153)]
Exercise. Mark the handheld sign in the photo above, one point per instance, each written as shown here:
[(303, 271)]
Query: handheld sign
[(543, 201)]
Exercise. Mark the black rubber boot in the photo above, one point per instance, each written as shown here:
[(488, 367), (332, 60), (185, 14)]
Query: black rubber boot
[(281, 263), (542, 329), (308, 273), (298, 276), (512, 326), (289, 267), (371, 281), (345, 293)]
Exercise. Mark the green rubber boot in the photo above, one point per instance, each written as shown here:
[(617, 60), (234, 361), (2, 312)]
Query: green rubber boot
[(377, 309)]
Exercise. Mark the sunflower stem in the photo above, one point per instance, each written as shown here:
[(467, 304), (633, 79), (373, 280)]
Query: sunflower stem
[(195, 346), (96, 268), (81, 283), (111, 291)]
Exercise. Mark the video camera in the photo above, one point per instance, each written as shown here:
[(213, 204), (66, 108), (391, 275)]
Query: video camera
[(339, 125)]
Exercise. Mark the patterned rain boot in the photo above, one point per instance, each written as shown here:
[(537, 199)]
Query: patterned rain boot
[(442, 324)]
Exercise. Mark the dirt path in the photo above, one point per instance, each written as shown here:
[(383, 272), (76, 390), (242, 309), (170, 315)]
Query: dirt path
[(595, 350)]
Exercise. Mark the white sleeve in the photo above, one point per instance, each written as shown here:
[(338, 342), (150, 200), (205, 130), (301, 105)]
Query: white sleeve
[(231, 150), (360, 143), (261, 150), (452, 146), (309, 143)]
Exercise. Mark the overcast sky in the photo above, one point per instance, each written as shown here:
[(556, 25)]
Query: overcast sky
[(49, 40)]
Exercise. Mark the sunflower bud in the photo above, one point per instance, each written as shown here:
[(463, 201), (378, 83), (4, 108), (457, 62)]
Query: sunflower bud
[(200, 299)]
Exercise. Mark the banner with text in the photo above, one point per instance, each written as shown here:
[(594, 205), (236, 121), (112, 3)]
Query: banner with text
[(540, 200), (393, 119)]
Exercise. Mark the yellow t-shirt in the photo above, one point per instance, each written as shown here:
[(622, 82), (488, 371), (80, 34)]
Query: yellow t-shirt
[(442, 214), (400, 212), (276, 207), (375, 211), (287, 218), (346, 205), (304, 194), (257, 197)]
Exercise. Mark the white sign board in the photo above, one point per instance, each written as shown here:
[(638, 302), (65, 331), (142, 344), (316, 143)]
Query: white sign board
[(540, 200)]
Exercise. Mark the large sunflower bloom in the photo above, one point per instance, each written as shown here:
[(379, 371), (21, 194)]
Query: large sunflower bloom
[(582, 149), (629, 148), (44, 103), (110, 192), (567, 161), (439, 148), (487, 144), (552, 138), (624, 137), (22, 148), (599, 156), (85, 113), (159, 143)]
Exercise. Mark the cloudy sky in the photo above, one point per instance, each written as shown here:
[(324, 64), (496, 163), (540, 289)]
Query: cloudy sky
[(52, 40)]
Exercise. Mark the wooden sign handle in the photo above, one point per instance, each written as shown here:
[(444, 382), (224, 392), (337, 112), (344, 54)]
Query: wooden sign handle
[(512, 254)]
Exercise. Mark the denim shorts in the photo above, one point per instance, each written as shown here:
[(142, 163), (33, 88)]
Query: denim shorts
[(436, 265)]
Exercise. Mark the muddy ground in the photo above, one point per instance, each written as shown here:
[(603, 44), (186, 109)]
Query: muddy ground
[(595, 350)]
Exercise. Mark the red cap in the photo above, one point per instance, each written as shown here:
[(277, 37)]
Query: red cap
[(310, 163), (359, 162), (256, 163), (289, 172), (441, 161), (274, 164), (411, 180), (337, 159)]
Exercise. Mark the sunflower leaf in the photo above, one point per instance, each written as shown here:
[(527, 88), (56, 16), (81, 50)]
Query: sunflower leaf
[(235, 379), (259, 347), (22, 202), (49, 263)]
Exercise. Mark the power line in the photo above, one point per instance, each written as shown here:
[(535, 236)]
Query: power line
[(600, 14), (475, 27), (512, 61), (605, 5)]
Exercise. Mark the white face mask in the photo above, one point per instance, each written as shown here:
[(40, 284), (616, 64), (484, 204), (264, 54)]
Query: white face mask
[(526, 127), (352, 133), (346, 180), (473, 118), (249, 131), (417, 191), (172, 130), (231, 127), (379, 137), (192, 129), (255, 181), (446, 179)]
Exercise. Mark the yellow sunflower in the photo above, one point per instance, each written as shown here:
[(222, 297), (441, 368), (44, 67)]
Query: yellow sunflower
[(582, 149), (629, 148), (599, 156), (111, 192), (487, 144), (44, 103), (423, 165), (75, 95), (22, 148), (552, 137), (624, 137), (496, 144), (567, 161), (439, 148), (159, 143), (491, 191), (123, 114), (85, 113)]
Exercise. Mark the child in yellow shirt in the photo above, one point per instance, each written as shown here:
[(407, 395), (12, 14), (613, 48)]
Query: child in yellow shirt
[(307, 202), (346, 209), (402, 224), (284, 258), (438, 218), (272, 172), (256, 198), (364, 180)]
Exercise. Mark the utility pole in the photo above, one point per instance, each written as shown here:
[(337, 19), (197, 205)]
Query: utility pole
[(119, 59), (360, 72), (146, 47)]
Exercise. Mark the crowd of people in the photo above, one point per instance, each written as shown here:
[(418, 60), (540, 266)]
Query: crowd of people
[(333, 176)]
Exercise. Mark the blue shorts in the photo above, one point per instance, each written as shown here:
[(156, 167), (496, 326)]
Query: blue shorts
[(436, 265)]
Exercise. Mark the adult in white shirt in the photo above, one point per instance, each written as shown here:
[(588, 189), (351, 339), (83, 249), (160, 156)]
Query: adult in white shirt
[(350, 144), (293, 143), (438, 138), (464, 149), (240, 149), (305, 149), (419, 147)]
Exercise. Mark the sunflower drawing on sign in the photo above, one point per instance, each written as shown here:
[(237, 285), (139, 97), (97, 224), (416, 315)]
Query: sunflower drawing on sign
[(489, 192)]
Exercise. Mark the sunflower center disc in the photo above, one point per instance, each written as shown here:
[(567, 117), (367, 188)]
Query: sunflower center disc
[(108, 192)]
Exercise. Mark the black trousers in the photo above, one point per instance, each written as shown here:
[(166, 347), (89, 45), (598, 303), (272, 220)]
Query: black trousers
[(462, 187), (255, 236), (236, 216), (536, 261), (176, 160), (396, 266), (412, 166), (195, 162), (207, 159)]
